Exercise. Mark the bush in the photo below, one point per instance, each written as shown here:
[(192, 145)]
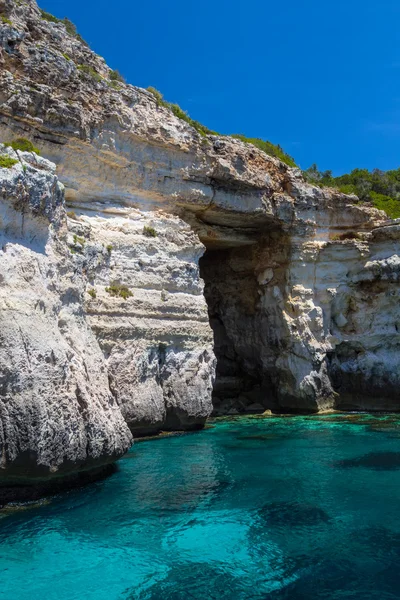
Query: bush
[(92, 293), (265, 146), (380, 188), (268, 147), (116, 76), (181, 114), (149, 231), (69, 25), (49, 17), (6, 162), (119, 290), (109, 248), (72, 215), (23, 145)]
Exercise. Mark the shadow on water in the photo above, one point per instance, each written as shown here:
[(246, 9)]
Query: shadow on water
[(377, 461), (292, 514), (333, 580), (192, 581)]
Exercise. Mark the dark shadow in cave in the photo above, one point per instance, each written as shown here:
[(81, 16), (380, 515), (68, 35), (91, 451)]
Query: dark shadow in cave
[(232, 295)]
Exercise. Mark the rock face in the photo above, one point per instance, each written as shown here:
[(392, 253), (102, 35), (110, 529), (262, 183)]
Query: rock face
[(58, 415), (157, 342), (108, 306)]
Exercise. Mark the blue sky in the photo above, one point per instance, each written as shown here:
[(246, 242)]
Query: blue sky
[(321, 78)]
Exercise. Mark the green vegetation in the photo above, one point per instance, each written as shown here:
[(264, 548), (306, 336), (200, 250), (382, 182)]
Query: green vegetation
[(5, 20), (92, 293), (49, 17), (380, 188), (72, 215), (69, 26), (181, 114), (23, 145), (90, 72), (265, 146), (268, 148), (119, 290), (6, 162), (149, 231), (109, 248), (79, 240), (116, 76), (65, 55)]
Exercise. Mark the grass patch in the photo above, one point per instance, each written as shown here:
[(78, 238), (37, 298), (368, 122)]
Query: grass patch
[(23, 144), (65, 55), (92, 293), (119, 290), (109, 248), (72, 215), (6, 162), (149, 231), (5, 20)]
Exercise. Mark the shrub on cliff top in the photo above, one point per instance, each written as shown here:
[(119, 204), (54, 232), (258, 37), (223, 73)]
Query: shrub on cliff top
[(380, 188), (23, 144), (6, 162), (265, 146), (268, 147), (181, 114), (69, 25), (116, 76)]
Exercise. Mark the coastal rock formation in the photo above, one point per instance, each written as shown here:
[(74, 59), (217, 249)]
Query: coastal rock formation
[(300, 294), (57, 413)]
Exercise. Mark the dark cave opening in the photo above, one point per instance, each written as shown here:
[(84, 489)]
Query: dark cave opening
[(232, 293)]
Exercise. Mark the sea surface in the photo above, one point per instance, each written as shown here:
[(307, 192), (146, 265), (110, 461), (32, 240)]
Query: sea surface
[(250, 508)]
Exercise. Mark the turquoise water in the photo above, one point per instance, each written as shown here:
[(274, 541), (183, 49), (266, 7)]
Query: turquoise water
[(271, 508)]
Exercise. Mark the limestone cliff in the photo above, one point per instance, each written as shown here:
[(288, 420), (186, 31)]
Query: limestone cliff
[(301, 282)]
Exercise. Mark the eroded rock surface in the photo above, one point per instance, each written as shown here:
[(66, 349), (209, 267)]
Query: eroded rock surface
[(58, 414)]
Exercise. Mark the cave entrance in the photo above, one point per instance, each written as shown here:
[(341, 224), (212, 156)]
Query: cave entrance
[(234, 299)]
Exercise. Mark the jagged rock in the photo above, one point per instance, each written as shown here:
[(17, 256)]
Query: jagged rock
[(57, 413)]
